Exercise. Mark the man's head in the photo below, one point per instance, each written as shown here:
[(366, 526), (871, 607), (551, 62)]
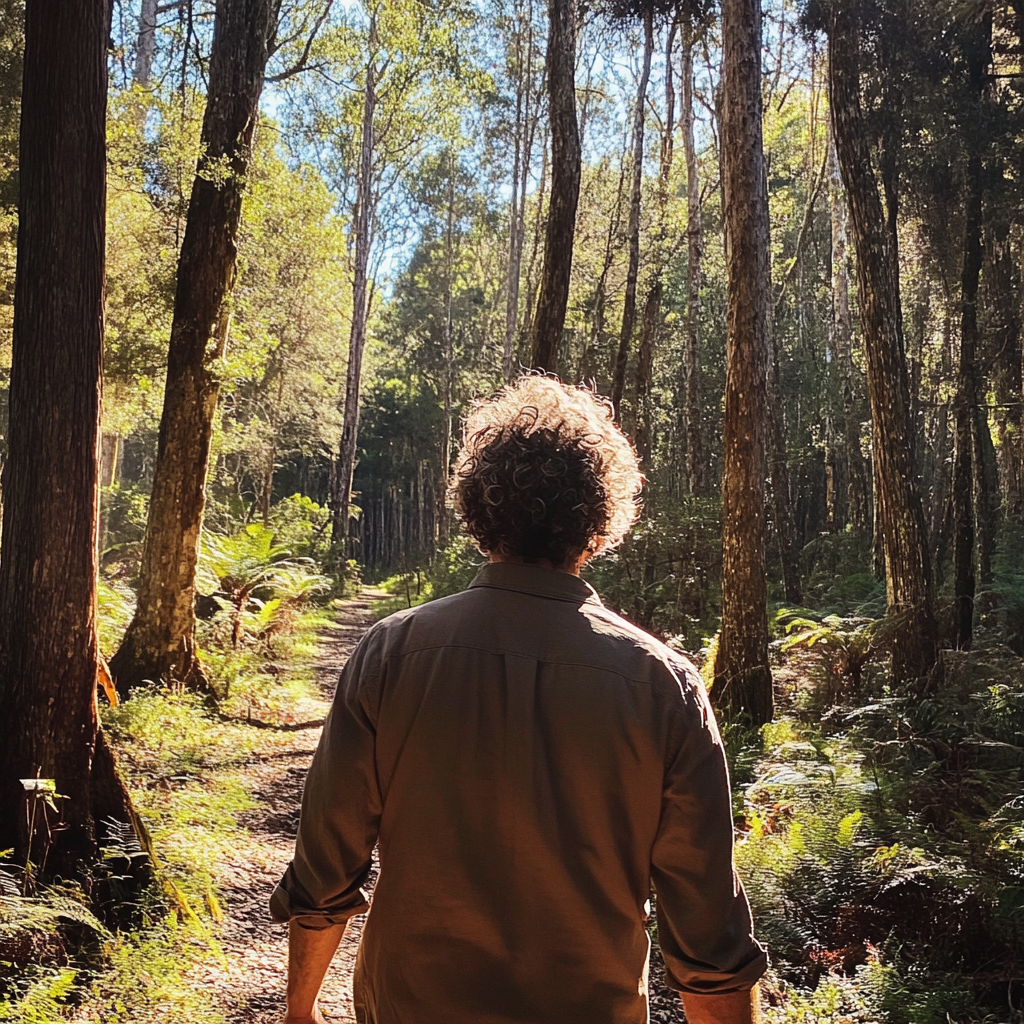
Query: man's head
[(545, 474)]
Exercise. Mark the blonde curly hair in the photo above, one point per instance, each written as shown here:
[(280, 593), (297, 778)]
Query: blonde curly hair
[(544, 473)]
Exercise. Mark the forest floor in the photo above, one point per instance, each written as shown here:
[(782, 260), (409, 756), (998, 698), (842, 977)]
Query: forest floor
[(247, 986)]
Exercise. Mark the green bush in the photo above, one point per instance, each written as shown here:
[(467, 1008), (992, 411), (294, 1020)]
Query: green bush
[(302, 526), (123, 513), (453, 569), (259, 581)]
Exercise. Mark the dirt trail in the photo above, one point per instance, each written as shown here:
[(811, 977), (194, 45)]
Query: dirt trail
[(249, 987)]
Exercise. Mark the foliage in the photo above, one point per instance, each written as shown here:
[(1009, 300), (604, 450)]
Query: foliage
[(663, 575), (115, 603), (301, 526), (844, 646), (882, 850), (260, 581)]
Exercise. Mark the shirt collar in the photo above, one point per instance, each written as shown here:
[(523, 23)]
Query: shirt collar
[(534, 579)]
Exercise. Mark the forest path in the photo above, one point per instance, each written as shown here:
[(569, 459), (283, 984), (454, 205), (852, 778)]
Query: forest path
[(249, 988)]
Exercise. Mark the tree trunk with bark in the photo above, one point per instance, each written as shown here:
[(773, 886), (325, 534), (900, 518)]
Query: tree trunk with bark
[(967, 427), (145, 45), (447, 358), (650, 328), (651, 321), (858, 496), (696, 468), (160, 641), (362, 224), (908, 571), (566, 157), (1004, 292), (782, 496), (742, 677), (523, 151), (633, 225), (48, 644)]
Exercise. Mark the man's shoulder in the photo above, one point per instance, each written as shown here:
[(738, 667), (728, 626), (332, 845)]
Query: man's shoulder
[(419, 620), (586, 635), (642, 647)]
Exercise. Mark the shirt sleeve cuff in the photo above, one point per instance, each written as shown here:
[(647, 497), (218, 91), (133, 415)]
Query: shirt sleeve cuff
[(701, 979), (285, 908)]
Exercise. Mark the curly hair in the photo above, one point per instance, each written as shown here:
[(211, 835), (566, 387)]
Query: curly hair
[(544, 473)]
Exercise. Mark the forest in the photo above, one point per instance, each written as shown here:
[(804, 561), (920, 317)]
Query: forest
[(257, 259)]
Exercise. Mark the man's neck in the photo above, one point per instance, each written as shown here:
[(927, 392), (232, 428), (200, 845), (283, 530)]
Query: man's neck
[(572, 567)]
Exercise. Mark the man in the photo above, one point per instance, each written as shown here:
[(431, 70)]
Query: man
[(529, 764)]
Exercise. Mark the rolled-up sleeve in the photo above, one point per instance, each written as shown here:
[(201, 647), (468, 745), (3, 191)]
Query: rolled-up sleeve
[(341, 805), (704, 925)]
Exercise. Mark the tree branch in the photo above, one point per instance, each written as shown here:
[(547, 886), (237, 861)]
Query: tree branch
[(301, 63)]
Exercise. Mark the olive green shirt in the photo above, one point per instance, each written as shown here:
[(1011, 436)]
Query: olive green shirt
[(529, 763)]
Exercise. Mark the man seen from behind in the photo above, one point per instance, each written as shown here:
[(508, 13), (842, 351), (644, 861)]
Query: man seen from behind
[(529, 765)]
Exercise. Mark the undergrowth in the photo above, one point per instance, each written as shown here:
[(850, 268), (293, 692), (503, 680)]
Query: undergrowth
[(182, 757), (883, 849)]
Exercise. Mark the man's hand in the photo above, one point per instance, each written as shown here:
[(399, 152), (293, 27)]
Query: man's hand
[(725, 1008), (309, 955)]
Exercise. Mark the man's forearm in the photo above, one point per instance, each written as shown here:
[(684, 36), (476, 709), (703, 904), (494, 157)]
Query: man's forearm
[(724, 1008), (309, 955)]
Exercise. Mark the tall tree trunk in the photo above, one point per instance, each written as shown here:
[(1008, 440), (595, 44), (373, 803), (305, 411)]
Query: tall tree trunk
[(531, 283), (743, 680), (986, 474), (565, 186), (696, 464), (362, 222), (943, 454), (633, 225), (964, 465), (650, 326), (908, 571), (650, 323), (48, 645), (1004, 295), (857, 492), (145, 45), (447, 358), (520, 174), (782, 496), (160, 641), (598, 308)]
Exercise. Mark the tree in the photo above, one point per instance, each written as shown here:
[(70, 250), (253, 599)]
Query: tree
[(633, 227), (48, 645), (858, 498), (362, 226), (145, 45), (523, 131), (652, 316), (160, 641), (409, 87), (566, 159), (742, 678), (898, 501), (696, 469)]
